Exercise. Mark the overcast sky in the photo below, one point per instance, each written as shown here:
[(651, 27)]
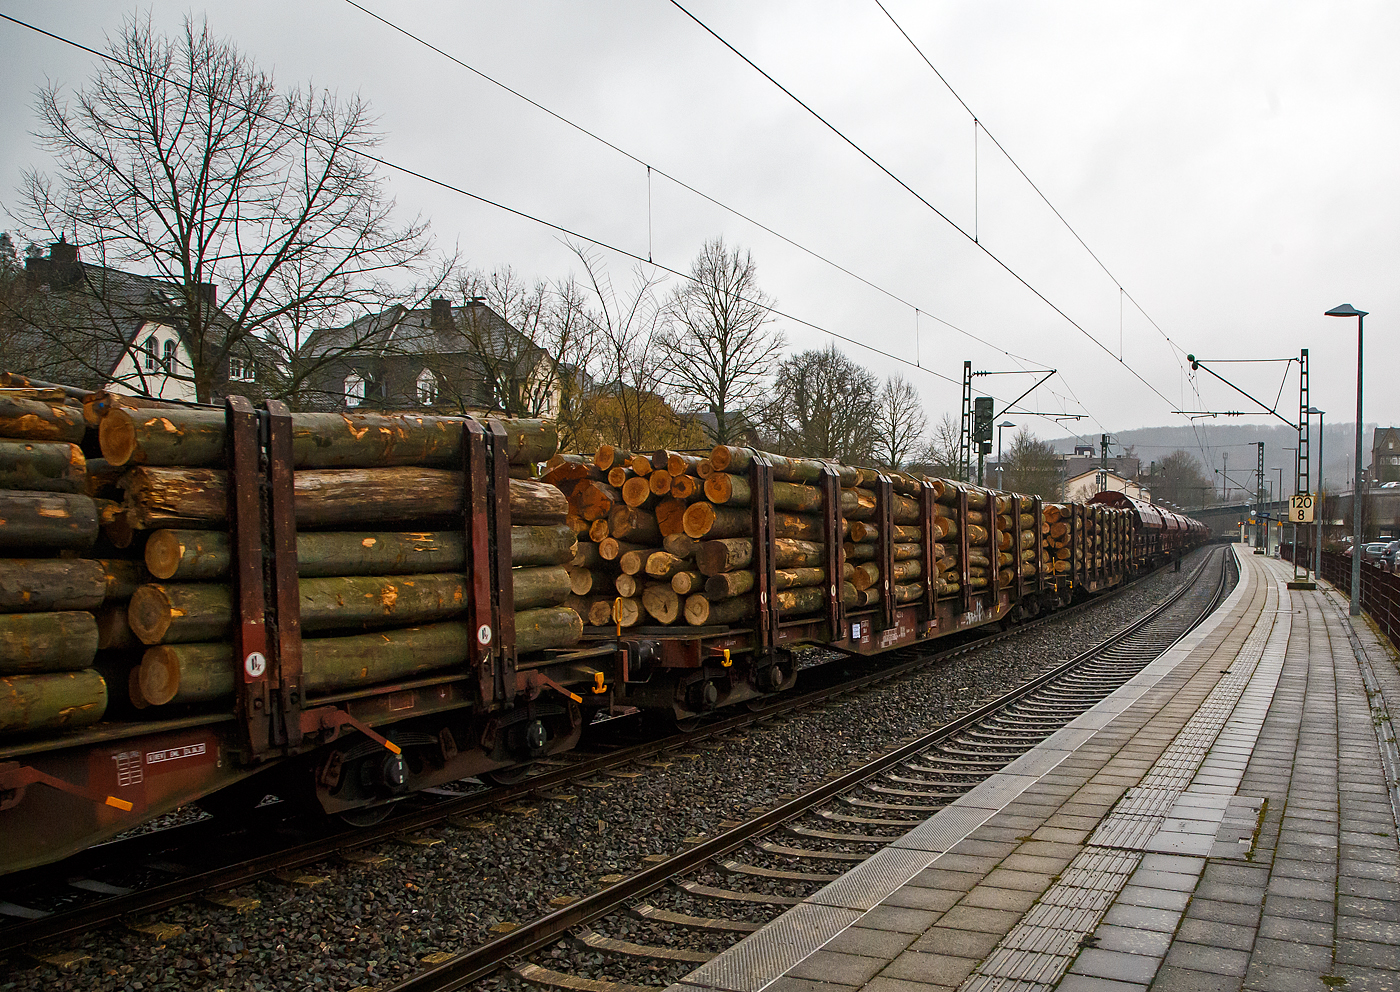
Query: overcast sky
[(1234, 165)]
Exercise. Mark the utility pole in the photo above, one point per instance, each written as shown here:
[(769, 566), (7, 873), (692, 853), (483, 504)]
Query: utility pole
[(1224, 478), (1303, 485), (1259, 529)]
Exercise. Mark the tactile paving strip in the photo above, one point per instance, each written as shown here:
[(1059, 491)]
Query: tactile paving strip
[(1038, 951), (880, 874), (778, 947)]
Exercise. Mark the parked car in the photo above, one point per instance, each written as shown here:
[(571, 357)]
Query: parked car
[(1372, 552), (1390, 557)]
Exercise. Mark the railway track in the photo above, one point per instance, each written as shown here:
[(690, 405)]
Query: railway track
[(165, 868), (823, 832)]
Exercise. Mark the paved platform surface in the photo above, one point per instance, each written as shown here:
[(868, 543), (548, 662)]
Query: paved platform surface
[(1227, 820)]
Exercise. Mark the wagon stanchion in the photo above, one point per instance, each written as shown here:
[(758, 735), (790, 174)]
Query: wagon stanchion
[(1038, 514), (503, 598), (481, 616), (253, 700), (834, 548), (884, 546), (928, 503), (964, 578), (285, 615)]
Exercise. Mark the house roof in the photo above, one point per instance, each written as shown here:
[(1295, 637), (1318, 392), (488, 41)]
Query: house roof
[(79, 319), (472, 328)]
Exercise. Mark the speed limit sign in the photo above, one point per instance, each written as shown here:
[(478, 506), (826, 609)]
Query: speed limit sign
[(1300, 508)]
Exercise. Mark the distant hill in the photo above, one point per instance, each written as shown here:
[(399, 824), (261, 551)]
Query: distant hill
[(1211, 442)]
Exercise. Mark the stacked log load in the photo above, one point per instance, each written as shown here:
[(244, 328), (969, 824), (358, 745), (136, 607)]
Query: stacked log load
[(667, 537), (49, 597), (377, 503), (1057, 538), (634, 562)]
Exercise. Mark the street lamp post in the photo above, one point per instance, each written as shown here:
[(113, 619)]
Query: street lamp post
[(1347, 310), (1317, 501), (1004, 423)]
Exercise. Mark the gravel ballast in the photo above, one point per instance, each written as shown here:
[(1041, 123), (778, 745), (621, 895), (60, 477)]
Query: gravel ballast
[(367, 925)]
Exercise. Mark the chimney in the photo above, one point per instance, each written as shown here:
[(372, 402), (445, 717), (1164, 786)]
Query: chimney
[(208, 293), (62, 253), (442, 314), (59, 270)]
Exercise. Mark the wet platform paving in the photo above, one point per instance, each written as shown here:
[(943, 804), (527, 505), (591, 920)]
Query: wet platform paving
[(1226, 820)]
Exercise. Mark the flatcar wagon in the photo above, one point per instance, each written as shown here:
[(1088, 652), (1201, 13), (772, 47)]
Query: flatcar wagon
[(276, 649)]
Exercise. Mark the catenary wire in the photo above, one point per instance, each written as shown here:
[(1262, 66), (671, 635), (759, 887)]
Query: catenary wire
[(707, 197), (1177, 351), (1016, 165), (525, 215), (866, 155)]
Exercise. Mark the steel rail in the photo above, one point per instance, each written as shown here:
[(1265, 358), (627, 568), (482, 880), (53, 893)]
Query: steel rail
[(176, 891), (482, 960)]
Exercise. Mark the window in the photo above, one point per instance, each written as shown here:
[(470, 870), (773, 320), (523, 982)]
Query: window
[(150, 350), (354, 389), (167, 354), (427, 388), (240, 369)]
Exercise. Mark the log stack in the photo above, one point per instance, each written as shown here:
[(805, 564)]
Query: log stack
[(668, 518), (672, 533), (378, 504), (635, 563), (48, 596)]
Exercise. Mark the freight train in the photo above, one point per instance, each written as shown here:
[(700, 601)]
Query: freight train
[(217, 621)]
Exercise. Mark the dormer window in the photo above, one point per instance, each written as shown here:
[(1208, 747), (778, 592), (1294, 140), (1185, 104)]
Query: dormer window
[(240, 370), (354, 389), (427, 388)]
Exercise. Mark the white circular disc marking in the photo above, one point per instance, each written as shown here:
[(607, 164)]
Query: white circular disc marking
[(483, 634), (255, 664)]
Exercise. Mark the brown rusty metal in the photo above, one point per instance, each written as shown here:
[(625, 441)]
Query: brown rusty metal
[(963, 566), (884, 546), (503, 605), (16, 778), (253, 699), (835, 553), (1016, 548), (285, 598), (477, 528), (1037, 512), (928, 501), (764, 550)]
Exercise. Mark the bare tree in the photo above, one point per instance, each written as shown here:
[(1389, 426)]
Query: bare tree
[(185, 161), (1033, 467), (628, 406), (1179, 479), (717, 342), (824, 406), (900, 423), (939, 455)]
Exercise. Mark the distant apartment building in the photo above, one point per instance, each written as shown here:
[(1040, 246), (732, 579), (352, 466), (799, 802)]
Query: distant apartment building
[(1385, 455), (1085, 485)]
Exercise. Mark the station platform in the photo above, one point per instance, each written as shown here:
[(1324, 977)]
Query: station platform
[(1226, 820)]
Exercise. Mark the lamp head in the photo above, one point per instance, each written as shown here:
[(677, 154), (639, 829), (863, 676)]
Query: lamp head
[(1006, 423), (1346, 310), (1313, 409)]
